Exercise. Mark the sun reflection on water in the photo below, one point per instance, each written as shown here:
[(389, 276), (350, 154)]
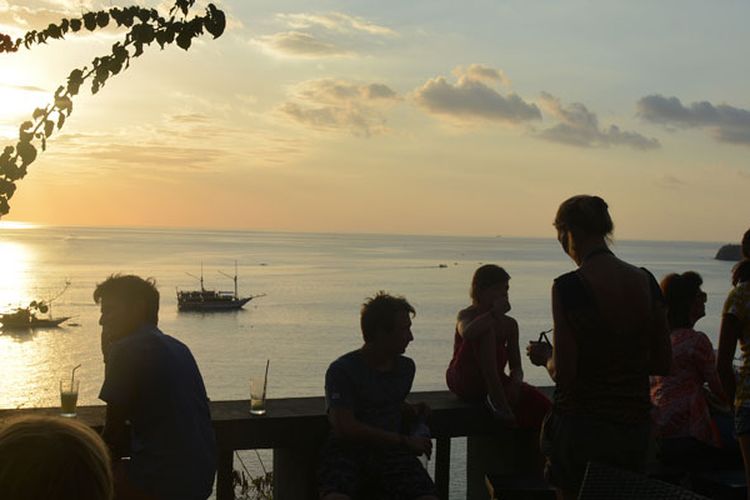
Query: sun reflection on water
[(15, 266)]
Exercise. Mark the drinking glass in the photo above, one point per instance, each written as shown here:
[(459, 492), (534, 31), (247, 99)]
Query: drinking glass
[(68, 397), (258, 394)]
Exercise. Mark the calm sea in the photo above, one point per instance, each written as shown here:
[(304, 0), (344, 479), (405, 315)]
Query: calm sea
[(314, 285)]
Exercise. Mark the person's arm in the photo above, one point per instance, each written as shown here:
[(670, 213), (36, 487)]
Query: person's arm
[(563, 361), (514, 350), (705, 360), (660, 345), (115, 432), (660, 348), (731, 330), (346, 426)]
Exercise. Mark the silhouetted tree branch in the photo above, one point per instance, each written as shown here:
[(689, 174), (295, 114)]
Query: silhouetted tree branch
[(145, 26)]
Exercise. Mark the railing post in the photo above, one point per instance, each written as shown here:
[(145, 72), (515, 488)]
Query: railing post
[(294, 473), (442, 466), (224, 475)]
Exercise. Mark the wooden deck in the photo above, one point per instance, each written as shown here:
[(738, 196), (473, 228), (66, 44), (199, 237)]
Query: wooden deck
[(295, 427)]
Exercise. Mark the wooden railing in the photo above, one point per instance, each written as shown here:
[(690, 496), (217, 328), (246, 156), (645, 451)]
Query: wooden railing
[(295, 427)]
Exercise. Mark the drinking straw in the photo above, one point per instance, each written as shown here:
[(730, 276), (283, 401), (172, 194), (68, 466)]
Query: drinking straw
[(543, 336), (265, 379), (73, 376)]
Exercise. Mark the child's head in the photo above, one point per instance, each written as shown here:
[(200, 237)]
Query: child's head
[(488, 282), (53, 458)]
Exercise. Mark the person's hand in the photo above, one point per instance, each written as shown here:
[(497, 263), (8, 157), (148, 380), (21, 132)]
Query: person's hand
[(500, 307), (539, 353), (419, 445)]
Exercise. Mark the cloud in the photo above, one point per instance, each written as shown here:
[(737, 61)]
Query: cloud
[(481, 73), (724, 122), (334, 104), (300, 44), (580, 127), (27, 88), (333, 34), (670, 182), (336, 21), (472, 98)]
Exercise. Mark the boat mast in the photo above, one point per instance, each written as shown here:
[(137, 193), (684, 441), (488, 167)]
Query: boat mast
[(202, 289), (236, 294), (234, 278)]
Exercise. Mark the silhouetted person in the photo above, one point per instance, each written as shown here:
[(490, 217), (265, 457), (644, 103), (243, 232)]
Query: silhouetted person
[(152, 381), (366, 391), (681, 411), (485, 341), (53, 458), (610, 334), (735, 327)]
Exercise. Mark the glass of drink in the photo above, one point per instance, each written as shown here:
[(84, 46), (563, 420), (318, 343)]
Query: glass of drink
[(68, 397), (258, 395)]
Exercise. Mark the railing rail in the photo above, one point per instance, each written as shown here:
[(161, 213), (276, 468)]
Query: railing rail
[(294, 429)]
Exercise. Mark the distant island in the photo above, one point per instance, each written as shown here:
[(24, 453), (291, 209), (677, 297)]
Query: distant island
[(729, 252)]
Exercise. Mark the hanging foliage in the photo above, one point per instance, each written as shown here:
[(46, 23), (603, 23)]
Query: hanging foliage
[(146, 27)]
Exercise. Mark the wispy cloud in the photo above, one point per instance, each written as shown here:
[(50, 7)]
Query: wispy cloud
[(301, 44), (27, 88), (580, 127), (331, 104), (473, 97), (671, 182), (724, 122), (336, 21), (333, 34)]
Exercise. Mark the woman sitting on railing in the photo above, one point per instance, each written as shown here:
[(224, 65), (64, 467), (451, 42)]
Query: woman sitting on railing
[(485, 341)]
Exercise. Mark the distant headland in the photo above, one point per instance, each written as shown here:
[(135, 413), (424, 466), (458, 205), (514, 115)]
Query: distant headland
[(729, 252)]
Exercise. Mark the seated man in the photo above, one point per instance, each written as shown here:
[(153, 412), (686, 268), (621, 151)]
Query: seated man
[(366, 394), (152, 381)]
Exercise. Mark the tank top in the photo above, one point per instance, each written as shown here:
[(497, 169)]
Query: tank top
[(612, 377)]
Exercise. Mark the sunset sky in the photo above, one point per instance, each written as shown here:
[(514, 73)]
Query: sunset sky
[(423, 117)]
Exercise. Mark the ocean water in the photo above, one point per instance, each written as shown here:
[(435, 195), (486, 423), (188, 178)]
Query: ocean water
[(314, 285)]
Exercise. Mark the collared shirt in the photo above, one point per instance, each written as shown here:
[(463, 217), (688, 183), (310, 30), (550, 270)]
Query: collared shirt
[(154, 378)]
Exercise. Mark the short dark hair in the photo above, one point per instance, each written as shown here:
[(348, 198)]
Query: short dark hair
[(679, 292), (585, 213), (486, 276), (130, 288), (379, 313)]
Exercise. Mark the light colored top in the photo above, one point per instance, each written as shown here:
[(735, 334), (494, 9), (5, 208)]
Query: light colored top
[(680, 406), (738, 305)]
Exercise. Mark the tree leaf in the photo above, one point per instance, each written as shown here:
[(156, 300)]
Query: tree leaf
[(27, 152), (102, 19), (89, 21), (23, 134), (49, 127)]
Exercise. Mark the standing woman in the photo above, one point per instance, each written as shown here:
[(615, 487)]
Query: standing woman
[(610, 334), (735, 327)]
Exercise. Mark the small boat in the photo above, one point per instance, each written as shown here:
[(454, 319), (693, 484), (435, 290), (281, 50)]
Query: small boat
[(26, 317), (212, 300)]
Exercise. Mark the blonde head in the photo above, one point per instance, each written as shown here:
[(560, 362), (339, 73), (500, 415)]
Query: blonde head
[(53, 458)]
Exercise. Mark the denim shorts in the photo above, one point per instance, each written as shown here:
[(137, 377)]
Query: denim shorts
[(742, 421)]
